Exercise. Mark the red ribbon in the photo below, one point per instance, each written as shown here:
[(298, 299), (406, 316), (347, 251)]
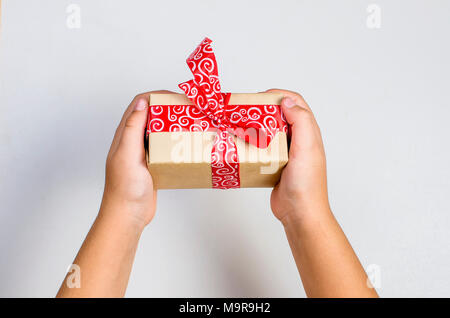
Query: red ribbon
[(256, 124)]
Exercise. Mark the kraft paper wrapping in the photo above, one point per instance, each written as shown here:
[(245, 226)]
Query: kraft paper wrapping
[(182, 160)]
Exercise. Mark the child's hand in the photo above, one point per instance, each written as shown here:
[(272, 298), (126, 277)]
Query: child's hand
[(128, 205), (327, 264), (303, 184), (129, 187)]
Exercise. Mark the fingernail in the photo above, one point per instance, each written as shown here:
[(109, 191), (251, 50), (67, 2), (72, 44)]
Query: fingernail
[(288, 102), (140, 105)]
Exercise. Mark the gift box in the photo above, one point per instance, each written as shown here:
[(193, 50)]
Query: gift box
[(208, 139)]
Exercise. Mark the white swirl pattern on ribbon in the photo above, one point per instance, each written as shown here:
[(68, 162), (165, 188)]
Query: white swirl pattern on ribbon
[(209, 113)]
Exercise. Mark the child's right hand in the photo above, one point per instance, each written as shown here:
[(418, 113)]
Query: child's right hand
[(303, 185)]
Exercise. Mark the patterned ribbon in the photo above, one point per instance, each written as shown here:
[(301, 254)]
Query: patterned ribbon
[(255, 124)]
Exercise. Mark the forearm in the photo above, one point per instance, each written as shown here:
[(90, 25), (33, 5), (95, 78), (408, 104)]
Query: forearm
[(106, 256), (327, 264)]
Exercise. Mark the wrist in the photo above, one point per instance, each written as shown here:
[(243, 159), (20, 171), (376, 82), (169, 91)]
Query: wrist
[(305, 213), (123, 214)]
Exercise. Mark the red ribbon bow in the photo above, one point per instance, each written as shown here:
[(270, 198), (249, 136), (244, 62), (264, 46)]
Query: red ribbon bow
[(204, 91)]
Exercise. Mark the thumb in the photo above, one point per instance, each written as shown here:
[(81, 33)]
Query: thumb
[(296, 115), (132, 141), (304, 129)]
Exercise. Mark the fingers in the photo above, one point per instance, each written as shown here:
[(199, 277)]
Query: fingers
[(127, 113), (293, 95), (304, 128), (293, 112), (299, 119), (132, 139)]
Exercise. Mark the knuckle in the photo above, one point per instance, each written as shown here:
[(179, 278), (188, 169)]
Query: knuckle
[(303, 112), (130, 123)]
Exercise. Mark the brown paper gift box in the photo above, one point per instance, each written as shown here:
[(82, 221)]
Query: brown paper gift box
[(182, 160)]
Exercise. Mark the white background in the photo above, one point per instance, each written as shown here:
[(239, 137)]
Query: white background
[(381, 97)]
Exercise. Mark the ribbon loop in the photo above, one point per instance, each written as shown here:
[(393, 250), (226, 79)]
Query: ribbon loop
[(204, 89)]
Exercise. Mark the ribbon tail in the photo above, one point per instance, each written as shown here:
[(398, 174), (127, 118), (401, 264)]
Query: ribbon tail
[(224, 162)]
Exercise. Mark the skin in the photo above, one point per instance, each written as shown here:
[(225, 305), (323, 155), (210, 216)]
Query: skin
[(327, 264), (325, 260), (128, 205)]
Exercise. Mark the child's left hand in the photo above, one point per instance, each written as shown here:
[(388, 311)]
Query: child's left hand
[(129, 188)]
